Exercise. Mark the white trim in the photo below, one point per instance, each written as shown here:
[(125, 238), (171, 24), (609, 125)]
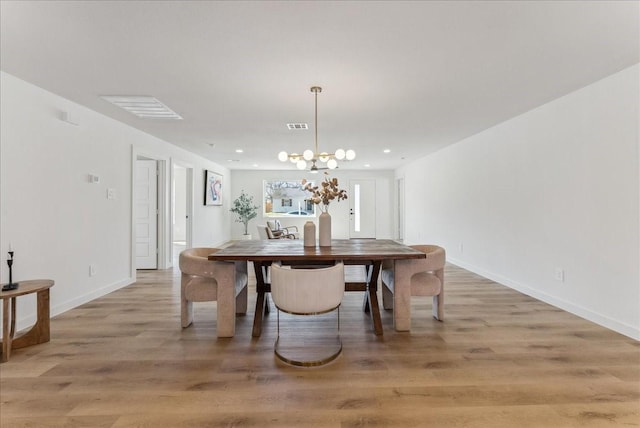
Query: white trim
[(589, 315), (28, 321)]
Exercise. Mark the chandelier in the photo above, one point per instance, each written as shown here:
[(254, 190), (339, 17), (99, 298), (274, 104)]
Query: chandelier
[(314, 156)]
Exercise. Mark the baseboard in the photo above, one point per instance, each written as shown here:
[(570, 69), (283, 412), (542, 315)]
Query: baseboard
[(582, 312), (29, 320)]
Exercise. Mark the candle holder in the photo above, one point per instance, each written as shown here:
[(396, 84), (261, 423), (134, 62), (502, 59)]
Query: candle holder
[(11, 285)]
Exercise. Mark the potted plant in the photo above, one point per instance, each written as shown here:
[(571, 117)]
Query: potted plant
[(245, 210)]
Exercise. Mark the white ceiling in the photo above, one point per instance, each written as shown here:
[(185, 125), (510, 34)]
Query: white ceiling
[(408, 76)]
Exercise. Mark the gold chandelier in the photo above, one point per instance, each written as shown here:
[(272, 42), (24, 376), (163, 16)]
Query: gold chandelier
[(314, 156)]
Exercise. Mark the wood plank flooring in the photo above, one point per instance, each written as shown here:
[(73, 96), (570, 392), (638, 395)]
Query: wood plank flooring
[(500, 359)]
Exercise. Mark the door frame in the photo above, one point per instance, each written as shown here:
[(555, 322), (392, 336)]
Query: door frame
[(190, 175), (162, 209)]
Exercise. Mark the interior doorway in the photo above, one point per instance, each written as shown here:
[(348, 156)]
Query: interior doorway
[(181, 209), (400, 211)]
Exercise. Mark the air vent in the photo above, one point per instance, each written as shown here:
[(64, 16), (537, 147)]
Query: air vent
[(143, 107), (297, 126)]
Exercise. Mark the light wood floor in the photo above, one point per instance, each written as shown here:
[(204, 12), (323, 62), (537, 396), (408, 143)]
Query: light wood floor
[(500, 359)]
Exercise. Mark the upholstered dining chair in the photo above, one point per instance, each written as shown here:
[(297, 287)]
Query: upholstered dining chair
[(199, 285), (427, 279), (303, 291)]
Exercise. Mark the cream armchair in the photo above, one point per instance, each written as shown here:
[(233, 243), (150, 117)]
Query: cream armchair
[(427, 278), (277, 230), (199, 284), (265, 232)]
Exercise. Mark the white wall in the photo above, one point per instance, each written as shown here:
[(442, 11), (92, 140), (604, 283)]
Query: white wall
[(251, 183), (59, 223), (555, 188)]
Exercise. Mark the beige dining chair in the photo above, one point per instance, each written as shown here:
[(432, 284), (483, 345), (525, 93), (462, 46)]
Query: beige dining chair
[(307, 291), (427, 280), (198, 284)]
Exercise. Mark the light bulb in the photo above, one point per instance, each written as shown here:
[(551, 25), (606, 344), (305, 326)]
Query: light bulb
[(294, 157), (332, 164), (301, 164), (339, 154), (324, 157), (283, 156), (351, 155), (307, 155)]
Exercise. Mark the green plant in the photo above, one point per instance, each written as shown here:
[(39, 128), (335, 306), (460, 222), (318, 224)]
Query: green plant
[(244, 209)]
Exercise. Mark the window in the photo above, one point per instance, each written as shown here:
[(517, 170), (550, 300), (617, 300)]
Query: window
[(286, 199)]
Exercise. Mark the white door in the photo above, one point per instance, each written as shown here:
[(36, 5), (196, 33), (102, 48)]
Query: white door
[(146, 211), (362, 208)]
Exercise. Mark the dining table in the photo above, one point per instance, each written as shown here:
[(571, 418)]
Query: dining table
[(369, 253)]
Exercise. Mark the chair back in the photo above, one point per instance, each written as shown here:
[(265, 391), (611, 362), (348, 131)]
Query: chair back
[(435, 257), (307, 291), (195, 261), (270, 234)]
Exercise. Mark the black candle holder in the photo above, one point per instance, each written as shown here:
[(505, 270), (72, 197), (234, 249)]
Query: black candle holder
[(11, 285)]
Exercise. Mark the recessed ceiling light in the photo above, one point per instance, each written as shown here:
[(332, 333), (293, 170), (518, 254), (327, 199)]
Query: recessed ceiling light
[(297, 126), (238, 150), (143, 107), (386, 151), (366, 165), (255, 165), (233, 160)]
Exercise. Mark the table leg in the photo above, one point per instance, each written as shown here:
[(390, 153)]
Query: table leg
[(365, 304), (370, 303), (40, 332), (225, 276), (8, 318), (262, 302), (373, 297), (402, 294)]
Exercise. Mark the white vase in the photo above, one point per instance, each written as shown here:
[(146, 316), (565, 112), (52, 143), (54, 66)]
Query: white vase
[(309, 234), (325, 229)]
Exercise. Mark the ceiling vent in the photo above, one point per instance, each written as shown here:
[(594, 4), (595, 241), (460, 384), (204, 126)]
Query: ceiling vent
[(144, 107), (297, 126)]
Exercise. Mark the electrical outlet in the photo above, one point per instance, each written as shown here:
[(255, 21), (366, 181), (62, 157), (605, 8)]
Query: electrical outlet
[(111, 193), (92, 270), (461, 247), (558, 274)]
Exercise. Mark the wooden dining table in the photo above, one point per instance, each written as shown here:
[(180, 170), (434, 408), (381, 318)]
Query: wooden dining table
[(369, 253)]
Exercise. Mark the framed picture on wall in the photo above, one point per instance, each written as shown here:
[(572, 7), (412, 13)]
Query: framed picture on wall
[(212, 188)]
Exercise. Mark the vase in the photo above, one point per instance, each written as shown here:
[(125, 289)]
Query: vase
[(325, 229), (309, 234)]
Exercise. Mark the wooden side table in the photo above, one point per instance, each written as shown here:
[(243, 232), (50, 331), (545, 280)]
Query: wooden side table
[(39, 333)]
